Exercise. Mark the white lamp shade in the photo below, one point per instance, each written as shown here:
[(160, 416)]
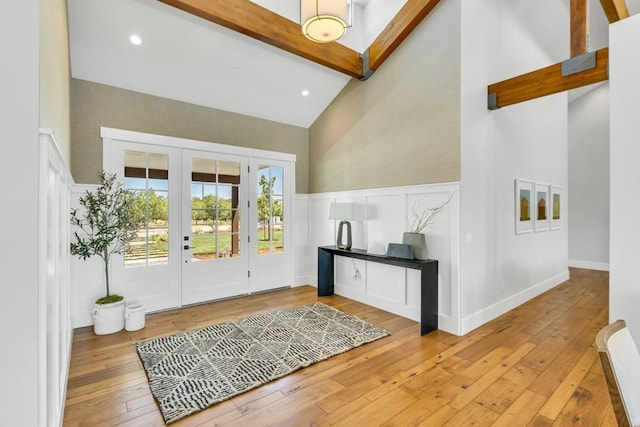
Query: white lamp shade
[(325, 20), (346, 211)]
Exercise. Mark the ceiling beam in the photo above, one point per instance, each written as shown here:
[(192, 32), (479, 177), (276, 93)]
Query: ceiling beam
[(408, 18), (615, 10), (546, 81), (262, 24), (579, 27)]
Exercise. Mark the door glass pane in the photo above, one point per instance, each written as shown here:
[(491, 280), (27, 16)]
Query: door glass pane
[(215, 209), (147, 177), (270, 209)]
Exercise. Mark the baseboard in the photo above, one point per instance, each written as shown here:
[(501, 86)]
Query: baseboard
[(589, 265), (483, 316), (305, 280), (65, 381), (80, 320)]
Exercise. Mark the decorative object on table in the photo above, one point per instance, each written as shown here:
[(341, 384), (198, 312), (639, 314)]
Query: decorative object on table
[(325, 21), (524, 198), (104, 226), (555, 200), (541, 208), (193, 370), (421, 219), (345, 212), (401, 250), (376, 249)]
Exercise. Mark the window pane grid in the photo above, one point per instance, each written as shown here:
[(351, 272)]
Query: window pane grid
[(270, 209), (146, 176), (215, 209)]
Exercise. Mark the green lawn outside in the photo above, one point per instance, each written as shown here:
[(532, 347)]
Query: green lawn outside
[(204, 244)]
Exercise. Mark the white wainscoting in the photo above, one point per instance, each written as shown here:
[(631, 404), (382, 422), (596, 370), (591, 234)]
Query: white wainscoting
[(394, 289), (55, 328)]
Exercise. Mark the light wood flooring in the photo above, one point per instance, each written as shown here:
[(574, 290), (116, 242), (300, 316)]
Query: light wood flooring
[(534, 366)]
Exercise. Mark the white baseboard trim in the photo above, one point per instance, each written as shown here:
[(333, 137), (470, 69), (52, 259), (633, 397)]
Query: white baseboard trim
[(80, 320), (483, 316), (589, 265), (304, 280)]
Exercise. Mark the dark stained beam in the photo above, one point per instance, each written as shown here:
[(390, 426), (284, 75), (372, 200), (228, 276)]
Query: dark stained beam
[(408, 18), (579, 27), (546, 81), (615, 10), (255, 21)]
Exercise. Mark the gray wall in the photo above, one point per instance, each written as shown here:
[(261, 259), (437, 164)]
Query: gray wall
[(400, 127), (94, 105), (55, 73), (589, 177)]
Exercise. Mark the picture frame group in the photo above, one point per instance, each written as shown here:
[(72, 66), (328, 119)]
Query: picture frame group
[(537, 206)]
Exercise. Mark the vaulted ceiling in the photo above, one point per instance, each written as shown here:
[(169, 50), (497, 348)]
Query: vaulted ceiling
[(187, 58)]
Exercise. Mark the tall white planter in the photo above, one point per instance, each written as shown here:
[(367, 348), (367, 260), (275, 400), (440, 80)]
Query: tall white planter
[(108, 318)]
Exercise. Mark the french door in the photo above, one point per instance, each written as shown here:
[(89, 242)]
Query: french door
[(149, 270), (214, 225), (270, 243), (214, 257)]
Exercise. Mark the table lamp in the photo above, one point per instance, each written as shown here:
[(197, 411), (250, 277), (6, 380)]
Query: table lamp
[(345, 212)]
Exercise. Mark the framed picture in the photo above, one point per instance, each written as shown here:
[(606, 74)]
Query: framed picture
[(556, 203), (541, 208), (524, 206)]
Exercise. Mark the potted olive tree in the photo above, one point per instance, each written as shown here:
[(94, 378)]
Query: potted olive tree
[(104, 226)]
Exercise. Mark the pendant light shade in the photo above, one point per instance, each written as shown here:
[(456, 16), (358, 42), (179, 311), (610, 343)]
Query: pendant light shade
[(325, 21)]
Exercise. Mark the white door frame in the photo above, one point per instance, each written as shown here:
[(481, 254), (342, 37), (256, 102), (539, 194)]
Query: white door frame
[(273, 270), (109, 135)]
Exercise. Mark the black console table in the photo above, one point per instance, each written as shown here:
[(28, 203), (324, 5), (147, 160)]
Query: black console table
[(428, 279)]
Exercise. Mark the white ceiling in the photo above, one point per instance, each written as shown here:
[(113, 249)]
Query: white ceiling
[(189, 59)]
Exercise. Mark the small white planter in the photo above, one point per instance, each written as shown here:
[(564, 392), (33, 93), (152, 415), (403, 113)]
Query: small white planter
[(134, 317), (108, 318)]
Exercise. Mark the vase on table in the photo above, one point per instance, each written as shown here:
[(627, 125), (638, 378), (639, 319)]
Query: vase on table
[(418, 243)]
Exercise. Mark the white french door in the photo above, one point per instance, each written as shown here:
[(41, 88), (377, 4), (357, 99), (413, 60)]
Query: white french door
[(150, 268), (215, 224), (214, 256), (270, 245)]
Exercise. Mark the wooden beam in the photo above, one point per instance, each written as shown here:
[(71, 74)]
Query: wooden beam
[(579, 27), (255, 21), (615, 10), (408, 18), (547, 81)]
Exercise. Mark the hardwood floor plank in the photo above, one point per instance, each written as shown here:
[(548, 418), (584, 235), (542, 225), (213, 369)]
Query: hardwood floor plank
[(393, 403), (521, 411), (562, 394), (466, 395), (535, 365)]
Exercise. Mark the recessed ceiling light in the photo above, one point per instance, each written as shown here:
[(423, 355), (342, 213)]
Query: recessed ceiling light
[(135, 40), (305, 93)]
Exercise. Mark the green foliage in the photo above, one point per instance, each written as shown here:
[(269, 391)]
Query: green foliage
[(107, 222), (268, 207), (109, 299), (148, 206)]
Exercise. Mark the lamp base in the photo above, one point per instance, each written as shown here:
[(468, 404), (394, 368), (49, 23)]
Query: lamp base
[(339, 243)]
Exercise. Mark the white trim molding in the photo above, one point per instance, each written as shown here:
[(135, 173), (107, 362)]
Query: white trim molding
[(487, 314), (589, 265), (54, 287), (171, 141)]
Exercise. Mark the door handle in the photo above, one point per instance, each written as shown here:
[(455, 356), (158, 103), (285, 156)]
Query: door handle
[(187, 247)]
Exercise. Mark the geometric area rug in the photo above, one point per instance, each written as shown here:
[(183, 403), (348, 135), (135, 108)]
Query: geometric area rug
[(193, 370)]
